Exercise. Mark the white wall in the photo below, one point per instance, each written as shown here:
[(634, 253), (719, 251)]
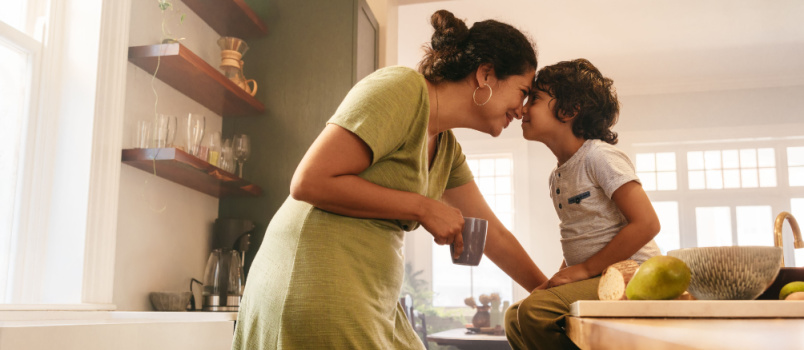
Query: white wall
[(161, 249)]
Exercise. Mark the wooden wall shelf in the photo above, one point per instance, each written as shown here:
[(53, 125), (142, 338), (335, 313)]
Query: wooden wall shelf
[(192, 76), (229, 17), (182, 168)]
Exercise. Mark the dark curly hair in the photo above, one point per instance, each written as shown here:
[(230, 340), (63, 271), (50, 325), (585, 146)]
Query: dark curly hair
[(580, 90), (456, 51)]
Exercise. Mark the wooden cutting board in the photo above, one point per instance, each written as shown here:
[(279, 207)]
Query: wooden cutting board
[(689, 308)]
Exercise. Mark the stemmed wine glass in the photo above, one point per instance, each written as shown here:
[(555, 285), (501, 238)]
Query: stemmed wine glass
[(242, 149)]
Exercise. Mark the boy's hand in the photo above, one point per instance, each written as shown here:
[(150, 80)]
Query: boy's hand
[(567, 275)]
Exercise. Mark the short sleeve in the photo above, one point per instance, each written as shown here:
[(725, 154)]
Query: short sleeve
[(611, 168), (459, 173), (382, 107)]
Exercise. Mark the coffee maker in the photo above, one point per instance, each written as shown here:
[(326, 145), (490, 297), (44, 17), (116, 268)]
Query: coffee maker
[(223, 277)]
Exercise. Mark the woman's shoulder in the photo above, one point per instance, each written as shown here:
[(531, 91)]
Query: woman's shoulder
[(399, 74)]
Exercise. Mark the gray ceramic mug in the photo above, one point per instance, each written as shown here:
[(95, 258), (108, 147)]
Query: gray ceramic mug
[(474, 242)]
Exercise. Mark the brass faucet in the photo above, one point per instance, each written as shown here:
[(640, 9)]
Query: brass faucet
[(777, 231)]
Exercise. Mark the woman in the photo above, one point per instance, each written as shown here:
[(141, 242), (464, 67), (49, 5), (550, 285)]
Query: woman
[(329, 271)]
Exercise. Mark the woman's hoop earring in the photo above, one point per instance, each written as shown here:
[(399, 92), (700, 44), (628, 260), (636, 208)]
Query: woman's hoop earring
[(475, 93)]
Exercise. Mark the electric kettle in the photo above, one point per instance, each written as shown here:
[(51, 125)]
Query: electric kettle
[(223, 281)]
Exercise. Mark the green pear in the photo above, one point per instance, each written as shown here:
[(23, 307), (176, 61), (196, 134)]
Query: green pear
[(659, 278), (790, 288)]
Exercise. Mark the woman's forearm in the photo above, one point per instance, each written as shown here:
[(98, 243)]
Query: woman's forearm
[(354, 196)]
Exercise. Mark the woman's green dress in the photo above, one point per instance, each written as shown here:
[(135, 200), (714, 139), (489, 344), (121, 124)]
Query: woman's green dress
[(327, 281)]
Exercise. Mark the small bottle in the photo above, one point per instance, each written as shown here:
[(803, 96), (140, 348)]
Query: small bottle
[(214, 148)]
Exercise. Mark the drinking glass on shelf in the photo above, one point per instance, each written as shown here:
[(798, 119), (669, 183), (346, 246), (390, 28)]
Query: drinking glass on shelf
[(242, 149), (195, 132), (142, 138), (164, 130), (226, 158), (214, 148)]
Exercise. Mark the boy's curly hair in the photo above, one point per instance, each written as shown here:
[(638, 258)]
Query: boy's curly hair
[(580, 90)]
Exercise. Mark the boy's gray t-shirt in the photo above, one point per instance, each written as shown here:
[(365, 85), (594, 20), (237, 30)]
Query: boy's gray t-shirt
[(581, 190)]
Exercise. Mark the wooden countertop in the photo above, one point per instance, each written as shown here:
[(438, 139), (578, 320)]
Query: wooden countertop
[(677, 333)]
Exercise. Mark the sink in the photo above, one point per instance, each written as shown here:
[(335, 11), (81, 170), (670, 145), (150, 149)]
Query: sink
[(786, 275)]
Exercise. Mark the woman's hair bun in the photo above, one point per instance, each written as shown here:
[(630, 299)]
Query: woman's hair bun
[(455, 51), (450, 32)]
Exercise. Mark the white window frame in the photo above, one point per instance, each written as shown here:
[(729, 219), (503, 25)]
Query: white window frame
[(41, 160), (778, 198)]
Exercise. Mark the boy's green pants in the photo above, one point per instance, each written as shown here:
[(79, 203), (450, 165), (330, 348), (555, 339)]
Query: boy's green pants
[(537, 322)]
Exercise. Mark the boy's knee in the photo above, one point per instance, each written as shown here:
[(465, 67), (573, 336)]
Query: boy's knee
[(540, 306), (510, 315)]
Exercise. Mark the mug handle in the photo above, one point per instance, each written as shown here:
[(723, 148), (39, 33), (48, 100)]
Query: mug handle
[(253, 90)]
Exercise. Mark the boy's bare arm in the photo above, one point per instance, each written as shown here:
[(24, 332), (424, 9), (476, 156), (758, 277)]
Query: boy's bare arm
[(643, 225), (501, 245)]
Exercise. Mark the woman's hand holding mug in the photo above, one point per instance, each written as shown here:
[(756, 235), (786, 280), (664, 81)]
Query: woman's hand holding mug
[(445, 223)]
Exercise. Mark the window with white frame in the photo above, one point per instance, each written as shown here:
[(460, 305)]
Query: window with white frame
[(50, 148), (795, 166), (657, 171), (453, 283), (726, 193), (20, 50), (732, 168)]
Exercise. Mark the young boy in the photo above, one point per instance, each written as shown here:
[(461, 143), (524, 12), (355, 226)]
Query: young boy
[(605, 215)]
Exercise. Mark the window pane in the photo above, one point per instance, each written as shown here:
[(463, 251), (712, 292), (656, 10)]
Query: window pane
[(666, 161), (767, 177), (13, 90), (713, 226), (712, 159), (748, 158), (648, 181), (731, 159), (502, 184), (666, 180), (695, 160), (697, 180), (797, 209), (486, 185), (796, 175), (766, 157), (750, 178), (645, 162), (451, 283), (486, 167), (503, 204), (714, 179), (731, 178), (503, 166), (668, 238), (795, 156), (754, 226)]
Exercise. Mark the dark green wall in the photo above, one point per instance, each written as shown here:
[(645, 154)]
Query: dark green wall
[(304, 67)]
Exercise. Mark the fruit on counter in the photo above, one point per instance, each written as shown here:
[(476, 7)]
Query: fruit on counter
[(615, 278), (790, 289), (659, 278), (795, 296)]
